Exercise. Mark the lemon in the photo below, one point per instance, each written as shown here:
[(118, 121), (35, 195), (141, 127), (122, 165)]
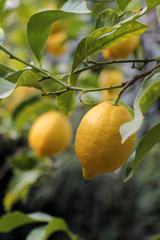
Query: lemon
[(98, 141), (50, 134), (55, 44), (110, 78), (122, 49)]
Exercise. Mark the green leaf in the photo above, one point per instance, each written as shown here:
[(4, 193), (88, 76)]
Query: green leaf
[(74, 78), (4, 69), (37, 233), (39, 27), (107, 18), (40, 216), (19, 187), (2, 6), (10, 221), (56, 224), (122, 3), (129, 168), (147, 95), (40, 24), (151, 4), (29, 79), (79, 54), (74, 6), (110, 18), (128, 16), (107, 37), (130, 110), (66, 102), (144, 146), (6, 88), (13, 78), (2, 36)]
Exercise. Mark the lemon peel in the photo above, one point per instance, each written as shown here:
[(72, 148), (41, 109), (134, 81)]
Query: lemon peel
[(98, 141), (50, 134)]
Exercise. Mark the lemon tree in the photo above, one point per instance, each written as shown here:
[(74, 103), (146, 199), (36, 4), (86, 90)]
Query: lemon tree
[(60, 54)]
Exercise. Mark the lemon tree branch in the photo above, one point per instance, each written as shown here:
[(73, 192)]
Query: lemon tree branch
[(45, 73), (96, 65), (133, 81)]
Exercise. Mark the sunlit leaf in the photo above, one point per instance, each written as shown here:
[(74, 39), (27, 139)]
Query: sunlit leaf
[(10, 221), (107, 37), (144, 146), (6, 88), (40, 216), (79, 6), (147, 95), (37, 233)]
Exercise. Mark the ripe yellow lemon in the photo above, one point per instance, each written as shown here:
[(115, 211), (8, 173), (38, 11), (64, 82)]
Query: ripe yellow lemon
[(50, 134), (110, 78), (98, 141), (122, 49), (55, 44)]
